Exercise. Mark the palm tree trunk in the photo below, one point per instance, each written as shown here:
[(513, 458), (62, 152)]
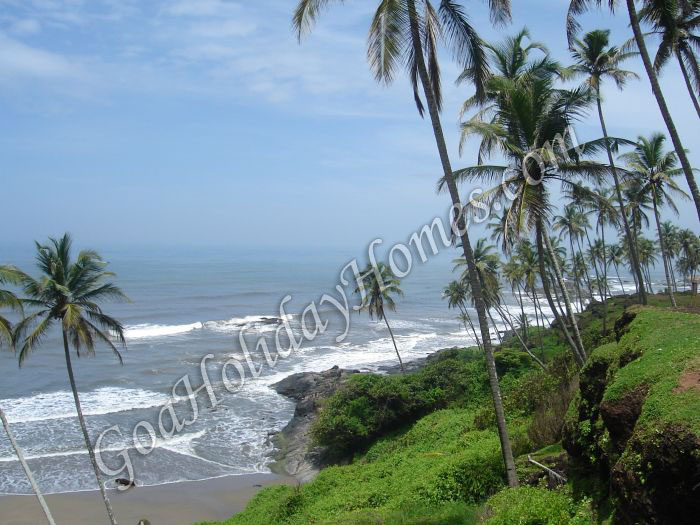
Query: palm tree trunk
[(573, 267), (547, 293), (585, 267), (86, 435), (661, 101), (536, 302), (522, 312), (595, 266), (688, 84), (617, 271), (631, 245), (466, 244), (495, 327), (507, 320), (25, 467), (662, 245), (605, 280), (581, 354), (478, 341), (393, 341)]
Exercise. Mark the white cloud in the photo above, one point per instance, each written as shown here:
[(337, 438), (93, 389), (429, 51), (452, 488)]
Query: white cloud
[(20, 60)]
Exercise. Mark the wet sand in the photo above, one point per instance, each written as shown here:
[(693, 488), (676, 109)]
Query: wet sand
[(171, 504)]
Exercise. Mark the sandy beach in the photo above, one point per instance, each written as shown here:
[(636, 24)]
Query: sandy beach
[(170, 504)]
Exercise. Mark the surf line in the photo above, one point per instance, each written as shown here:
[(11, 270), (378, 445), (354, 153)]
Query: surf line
[(234, 373), (144, 436)]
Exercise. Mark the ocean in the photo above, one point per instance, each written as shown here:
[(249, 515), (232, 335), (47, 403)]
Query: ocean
[(182, 308)]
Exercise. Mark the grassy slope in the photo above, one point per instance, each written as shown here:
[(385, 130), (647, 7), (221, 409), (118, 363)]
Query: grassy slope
[(435, 470)]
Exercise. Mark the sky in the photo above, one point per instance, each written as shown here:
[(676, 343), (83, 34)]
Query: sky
[(205, 123)]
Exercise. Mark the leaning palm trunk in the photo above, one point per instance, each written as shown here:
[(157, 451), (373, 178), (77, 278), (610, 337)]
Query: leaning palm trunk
[(662, 244), (466, 245), (595, 267), (581, 353), (393, 340), (617, 271), (605, 279), (688, 83), (586, 274), (632, 246), (576, 278), (506, 319), (86, 435), (495, 326), (27, 470), (661, 101), (547, 293)]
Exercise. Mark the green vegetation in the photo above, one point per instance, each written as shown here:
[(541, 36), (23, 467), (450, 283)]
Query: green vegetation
[(536, 506), (635, 424), (427, 451)]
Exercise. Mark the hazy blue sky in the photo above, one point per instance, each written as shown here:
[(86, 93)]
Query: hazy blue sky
[(203, 122)]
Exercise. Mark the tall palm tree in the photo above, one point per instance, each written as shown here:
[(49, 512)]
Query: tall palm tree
[(597, 61), (10, 275), (607, 215), (68, 294), (648, 250), (616, 257), (570, 223), (673, 247), (457, 294), (656, 169), (677, 22), (379, 285), (400, 33), (576, 7), (528, 122), (689, 254)]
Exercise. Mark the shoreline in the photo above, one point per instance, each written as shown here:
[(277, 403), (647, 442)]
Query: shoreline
[(179, 503), (219, 498)]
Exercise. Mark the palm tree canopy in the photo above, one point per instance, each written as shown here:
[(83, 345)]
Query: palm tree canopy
[(8, 275), (380, 285), (596, 60), (655, 169), (677, 23), (68, 293), (389, 44)]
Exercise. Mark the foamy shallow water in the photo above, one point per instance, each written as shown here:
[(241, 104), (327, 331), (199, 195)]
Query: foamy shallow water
[(182, 310)]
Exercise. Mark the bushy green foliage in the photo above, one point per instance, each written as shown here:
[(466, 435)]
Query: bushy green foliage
[(369, 406), (441, 459), (536, 506)]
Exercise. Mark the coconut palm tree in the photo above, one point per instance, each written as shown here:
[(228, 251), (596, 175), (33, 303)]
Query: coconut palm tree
[(689, 259), (616, 257), (10, 275), (606, 215), (577, 7), (673, 247), (400, 33), (68, 294), (380, 285), (656, 169), (457, 294), (570, 223), (648, 250), (528, 123), (677, 22), (595, 60)]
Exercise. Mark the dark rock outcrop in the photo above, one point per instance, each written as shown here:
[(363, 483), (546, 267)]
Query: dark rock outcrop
[(297, 456)]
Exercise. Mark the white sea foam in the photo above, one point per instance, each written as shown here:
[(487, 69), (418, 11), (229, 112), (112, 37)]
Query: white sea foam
[(59, 405), (147, 331)]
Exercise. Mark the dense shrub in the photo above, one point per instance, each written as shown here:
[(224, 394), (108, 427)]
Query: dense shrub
[(369, 406), (536, 506)]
